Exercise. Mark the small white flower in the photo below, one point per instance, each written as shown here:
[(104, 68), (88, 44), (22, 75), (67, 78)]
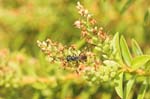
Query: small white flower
[(78, 24)]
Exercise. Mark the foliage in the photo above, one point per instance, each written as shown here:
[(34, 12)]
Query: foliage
[(97, 66), (106, 60)]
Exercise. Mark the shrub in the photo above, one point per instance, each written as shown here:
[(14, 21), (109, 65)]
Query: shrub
[(102, 59)]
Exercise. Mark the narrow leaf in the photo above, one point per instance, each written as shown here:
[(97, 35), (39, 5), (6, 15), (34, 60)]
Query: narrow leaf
[(116, 47), (80, 44), (140, 61), (125, 51), (147, 16), (128, 87), (119, 85), (143, 90), (126, 6), (147, 66), (136, 48)]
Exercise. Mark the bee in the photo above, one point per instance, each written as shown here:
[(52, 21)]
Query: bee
[(81, 57)]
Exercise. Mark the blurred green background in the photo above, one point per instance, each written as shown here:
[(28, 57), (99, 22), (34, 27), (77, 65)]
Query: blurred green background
[(23, 22)]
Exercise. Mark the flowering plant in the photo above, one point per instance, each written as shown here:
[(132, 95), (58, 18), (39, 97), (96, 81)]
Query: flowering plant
[(101, 58)]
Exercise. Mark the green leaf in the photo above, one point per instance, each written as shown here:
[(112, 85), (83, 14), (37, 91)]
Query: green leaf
[(140, 61), (119, 85), (147, 66), (125, 51), (147, 16), (136, 48), (128, 87), (80, 43), (111, 63), (116, 47), (143, 90), (126, 6)]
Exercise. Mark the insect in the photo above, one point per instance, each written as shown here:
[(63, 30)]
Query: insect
[(81, 57)]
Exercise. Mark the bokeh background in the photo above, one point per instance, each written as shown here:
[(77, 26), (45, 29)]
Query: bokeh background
[(24, 71)]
